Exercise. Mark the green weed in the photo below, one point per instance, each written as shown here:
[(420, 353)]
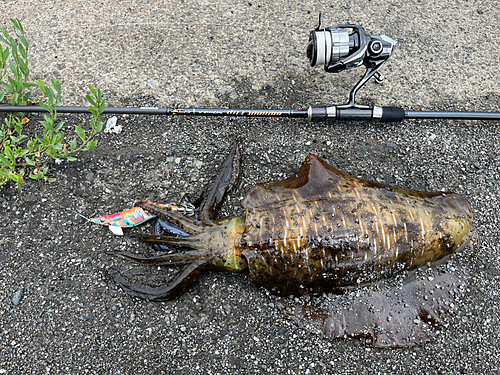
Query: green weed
[(20, 154)]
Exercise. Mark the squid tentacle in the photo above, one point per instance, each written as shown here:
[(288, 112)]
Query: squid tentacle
[(230, 171), (188, 232), (192, 242), (167, 292), (164, 259)]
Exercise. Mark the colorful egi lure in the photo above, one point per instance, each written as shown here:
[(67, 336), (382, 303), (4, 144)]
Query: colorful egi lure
[(136, 216)]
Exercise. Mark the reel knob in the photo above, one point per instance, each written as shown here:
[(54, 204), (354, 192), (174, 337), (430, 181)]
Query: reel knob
[(375, 48)]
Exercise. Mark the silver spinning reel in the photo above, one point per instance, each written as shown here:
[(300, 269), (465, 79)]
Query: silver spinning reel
[(337, 49)]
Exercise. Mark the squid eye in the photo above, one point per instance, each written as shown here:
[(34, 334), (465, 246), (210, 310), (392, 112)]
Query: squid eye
[(102, 220)]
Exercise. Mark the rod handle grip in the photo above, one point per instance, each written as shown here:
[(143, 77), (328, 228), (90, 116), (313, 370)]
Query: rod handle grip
[(392, 114)]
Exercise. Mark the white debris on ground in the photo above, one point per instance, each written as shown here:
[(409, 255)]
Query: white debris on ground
[(111, 126)]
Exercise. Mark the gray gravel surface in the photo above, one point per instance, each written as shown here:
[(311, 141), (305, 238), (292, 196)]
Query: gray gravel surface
[(59, 311)]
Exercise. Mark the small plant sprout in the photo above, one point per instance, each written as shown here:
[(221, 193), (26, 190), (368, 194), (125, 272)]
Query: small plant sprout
[(22, 154)]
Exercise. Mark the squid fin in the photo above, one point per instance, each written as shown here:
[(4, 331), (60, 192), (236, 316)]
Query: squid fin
[(388, 315)]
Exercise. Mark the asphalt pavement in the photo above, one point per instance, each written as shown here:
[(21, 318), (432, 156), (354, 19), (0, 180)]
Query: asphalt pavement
[(61, 313)]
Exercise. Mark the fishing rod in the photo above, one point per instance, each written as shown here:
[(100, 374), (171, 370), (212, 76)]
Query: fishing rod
[(337, 48)]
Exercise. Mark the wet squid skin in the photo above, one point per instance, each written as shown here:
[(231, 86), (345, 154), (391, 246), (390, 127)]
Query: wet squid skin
[(322, 229), (319, 230)]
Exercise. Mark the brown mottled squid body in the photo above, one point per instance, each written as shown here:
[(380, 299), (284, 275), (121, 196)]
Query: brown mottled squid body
[(317, 231), (322, 229)]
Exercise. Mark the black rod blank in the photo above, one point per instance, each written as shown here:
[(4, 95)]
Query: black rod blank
[(107, 110), (293, 113), (452, 115)]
